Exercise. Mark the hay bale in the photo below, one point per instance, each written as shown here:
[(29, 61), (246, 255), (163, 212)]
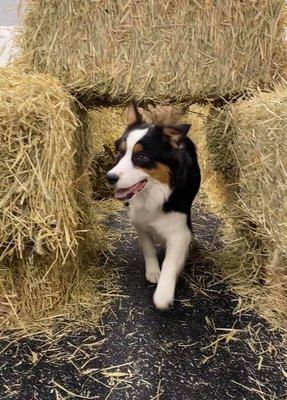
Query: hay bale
[(214, 191), (47, 270), (37, 168), (259, 148), (38, 292), (248, 147), (105, 126), (109, 52), (164, 114)]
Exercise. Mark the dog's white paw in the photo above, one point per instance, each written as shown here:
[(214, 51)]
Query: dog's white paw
[(163, 297), (152, 275)]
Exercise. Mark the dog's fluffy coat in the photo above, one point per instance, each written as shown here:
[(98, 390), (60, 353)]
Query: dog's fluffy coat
[(158, 176)]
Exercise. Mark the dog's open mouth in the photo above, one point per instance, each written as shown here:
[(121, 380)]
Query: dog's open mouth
[(128, 193)]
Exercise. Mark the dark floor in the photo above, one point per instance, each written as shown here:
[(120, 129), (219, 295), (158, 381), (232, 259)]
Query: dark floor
[(199, 350)]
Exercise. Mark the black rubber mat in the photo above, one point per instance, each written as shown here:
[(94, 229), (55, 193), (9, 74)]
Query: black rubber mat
[(198, 350)]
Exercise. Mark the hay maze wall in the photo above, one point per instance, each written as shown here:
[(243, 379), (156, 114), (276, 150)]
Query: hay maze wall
[(168, 56), (45, 205)]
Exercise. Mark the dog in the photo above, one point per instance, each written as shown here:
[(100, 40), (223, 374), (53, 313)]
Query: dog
[(157, 176)]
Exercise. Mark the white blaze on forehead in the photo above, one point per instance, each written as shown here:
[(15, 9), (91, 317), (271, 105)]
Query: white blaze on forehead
[(126, 162), (133, 137)]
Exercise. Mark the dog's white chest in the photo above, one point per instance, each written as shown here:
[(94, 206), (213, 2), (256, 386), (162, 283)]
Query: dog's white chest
[(144, 214), (146, 207), (161, 225)]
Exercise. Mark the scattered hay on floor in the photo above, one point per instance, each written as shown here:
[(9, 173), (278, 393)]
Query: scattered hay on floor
[(247, 144), (110, 52)]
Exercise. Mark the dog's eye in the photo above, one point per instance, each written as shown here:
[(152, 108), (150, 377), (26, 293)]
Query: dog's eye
[(141, 157)]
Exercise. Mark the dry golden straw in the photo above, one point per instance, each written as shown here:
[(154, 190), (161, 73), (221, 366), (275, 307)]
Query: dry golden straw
[(105, 126), (108, 52), (47, 270), (247, 146), (37, 169)]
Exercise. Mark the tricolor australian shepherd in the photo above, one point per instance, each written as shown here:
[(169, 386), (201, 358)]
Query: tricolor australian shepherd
[(157, 176)]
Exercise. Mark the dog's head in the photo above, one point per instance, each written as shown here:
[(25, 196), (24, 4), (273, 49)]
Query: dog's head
[(147, 154)]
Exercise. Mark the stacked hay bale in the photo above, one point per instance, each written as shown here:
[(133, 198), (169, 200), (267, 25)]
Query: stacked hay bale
[(40, 213), (196, 116), (105, 126), (153, 52), (247, 147), (38, 210), (37, 166), (108, 52)]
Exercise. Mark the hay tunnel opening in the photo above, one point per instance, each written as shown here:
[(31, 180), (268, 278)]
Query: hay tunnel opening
[(43, 286), (247, 253)]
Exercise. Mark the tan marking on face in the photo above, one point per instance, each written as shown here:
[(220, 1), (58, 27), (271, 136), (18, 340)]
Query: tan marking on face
[(123, 146), (161, 173), (138, 148)]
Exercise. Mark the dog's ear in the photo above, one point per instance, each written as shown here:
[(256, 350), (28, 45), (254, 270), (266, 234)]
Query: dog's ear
[(133, 115), (175, 134), (184, 128)]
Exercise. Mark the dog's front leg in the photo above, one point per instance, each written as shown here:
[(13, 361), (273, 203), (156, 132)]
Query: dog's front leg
[(177, 247), (150, 257)]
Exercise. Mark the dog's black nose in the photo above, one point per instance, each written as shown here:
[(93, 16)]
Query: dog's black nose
[(112, 178)]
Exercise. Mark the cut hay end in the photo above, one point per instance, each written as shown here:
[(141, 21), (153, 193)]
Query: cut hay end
[(45, 273), (37, 171)]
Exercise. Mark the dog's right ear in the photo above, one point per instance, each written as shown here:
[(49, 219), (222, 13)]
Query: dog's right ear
[(133, 115), (175, 134)]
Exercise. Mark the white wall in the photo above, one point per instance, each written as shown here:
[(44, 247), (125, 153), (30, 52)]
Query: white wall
[(9, 12), (6, 44), (8, 21)]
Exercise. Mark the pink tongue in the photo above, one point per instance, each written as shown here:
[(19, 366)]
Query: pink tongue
[(129, 192)]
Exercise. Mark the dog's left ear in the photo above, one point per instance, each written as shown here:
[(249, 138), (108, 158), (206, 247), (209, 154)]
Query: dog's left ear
[(175, 134), (133, 115), (184, 128)]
